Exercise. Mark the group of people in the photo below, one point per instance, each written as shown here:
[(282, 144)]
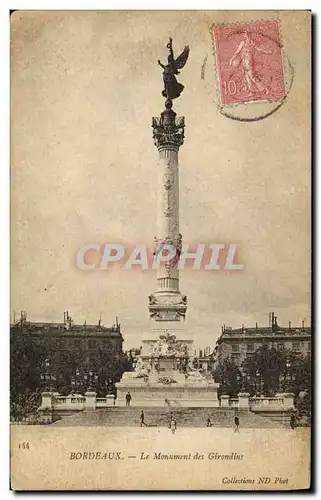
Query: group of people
[(142, 423), (236, 422), (172, 422), (173, 425)]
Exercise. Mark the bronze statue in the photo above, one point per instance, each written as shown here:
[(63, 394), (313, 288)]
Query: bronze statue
[(173, 89)]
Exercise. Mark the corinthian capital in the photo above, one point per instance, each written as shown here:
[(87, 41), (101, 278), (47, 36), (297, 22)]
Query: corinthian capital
[(168, 130)]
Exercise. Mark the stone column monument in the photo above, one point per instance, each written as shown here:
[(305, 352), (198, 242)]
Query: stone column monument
[(168, 304), (165, 374)]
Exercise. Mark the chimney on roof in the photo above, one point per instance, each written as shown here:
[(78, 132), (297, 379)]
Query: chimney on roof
[(303, 324), (256, 325), (272, 319), (289, 324), (68, 320)]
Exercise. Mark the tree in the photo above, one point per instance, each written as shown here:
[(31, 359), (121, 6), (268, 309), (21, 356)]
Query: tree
[(297, 373), (228, 375), (303, 405), (25, 359), (44, 365), (108, 366), (262, 370), (271, 371)]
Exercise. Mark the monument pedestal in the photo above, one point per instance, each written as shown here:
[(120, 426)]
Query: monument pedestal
[(185, 394), (165, 376)]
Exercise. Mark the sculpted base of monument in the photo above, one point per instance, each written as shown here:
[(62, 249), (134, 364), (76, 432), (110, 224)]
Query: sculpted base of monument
[(166, 375)]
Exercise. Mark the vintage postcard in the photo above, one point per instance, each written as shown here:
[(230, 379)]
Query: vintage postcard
[(160, 250)]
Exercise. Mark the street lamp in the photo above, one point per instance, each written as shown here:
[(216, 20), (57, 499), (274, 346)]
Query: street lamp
[(282, 383), (239, 379), (247, 383), (47, 376), (92, 379), (287, 376), (109, 384), (258, 383)]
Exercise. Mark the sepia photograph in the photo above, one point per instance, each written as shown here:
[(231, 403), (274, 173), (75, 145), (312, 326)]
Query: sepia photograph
[(160, 311)]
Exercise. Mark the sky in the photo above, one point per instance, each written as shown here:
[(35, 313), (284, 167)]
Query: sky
[(84, 88)]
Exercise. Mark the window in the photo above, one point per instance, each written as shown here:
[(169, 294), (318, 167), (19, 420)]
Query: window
[(77, 343), (281, 346), (250, 347), (91, 344), (309, 346), (235, 359), (296, 346), (235, 348)]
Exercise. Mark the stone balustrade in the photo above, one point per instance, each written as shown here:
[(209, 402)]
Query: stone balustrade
[(89, 401), (279, 402), (73, 402), (77, 402)]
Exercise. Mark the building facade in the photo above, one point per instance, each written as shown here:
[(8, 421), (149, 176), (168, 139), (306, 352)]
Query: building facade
[(71, 337), (204, 359), (241, 343)]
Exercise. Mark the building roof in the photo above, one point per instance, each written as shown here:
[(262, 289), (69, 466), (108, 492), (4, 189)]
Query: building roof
[(271, 333), (68, 330)]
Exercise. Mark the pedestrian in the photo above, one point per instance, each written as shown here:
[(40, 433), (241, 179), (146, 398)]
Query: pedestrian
[(128, 398), (236, 422), (292, 421), (173, 424), (142, 420), (208, 422)]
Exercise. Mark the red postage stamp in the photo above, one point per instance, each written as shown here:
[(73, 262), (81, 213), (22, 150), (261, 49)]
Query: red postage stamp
[(249, 61)]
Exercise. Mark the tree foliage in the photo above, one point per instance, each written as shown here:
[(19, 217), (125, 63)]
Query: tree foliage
[(35, 367), (269, 371), (266, 372), (228, 375)]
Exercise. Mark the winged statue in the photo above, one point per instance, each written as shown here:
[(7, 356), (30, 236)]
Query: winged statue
[(173, 89)]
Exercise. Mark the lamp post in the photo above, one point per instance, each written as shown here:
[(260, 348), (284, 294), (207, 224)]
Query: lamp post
[(47, 377), (92, 379), (282, 383), (258, 383), (249, 384), (239, 379), (287, 376)]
